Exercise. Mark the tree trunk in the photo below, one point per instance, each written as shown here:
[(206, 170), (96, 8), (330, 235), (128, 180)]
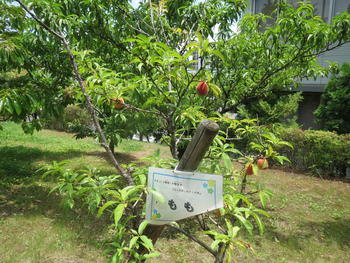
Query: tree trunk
[(171, 129), (221, 254), (111, 146), (173, 148)]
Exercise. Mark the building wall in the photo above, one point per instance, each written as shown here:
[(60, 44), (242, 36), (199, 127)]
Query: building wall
[(327, 9), (313, 88), (340, 55)]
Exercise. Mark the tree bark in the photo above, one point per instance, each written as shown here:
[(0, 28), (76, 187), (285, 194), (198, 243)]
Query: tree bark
[(221, 254)]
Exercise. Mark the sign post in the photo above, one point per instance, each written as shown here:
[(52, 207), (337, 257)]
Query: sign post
[(189, 162)]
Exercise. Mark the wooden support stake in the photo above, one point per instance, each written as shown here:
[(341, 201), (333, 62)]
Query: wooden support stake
[(198, 146), (189, 162)]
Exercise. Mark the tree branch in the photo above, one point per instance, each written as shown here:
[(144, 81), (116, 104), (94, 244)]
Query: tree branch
[(267, 75), (214, 253), (39, 21), (88, 102), (144, 111)]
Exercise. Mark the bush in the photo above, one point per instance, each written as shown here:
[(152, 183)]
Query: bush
[(52, 122), (75, 114), (77, 120), (277, 108), (321, 152), (73, 119), (334, 111)]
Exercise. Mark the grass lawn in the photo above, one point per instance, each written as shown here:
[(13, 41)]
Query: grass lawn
[(310, 217)]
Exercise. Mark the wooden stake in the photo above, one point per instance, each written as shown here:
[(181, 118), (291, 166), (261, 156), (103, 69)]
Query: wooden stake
[(189, 162)]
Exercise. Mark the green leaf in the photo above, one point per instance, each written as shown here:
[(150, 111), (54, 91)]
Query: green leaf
[(286, 144), (265, 196), (152, 255), (175, 224), (247, 224), (118, 212), (281, 159), (109, 203), (17, 107), (114, 258), (9, 106), (130, 190), (142, 227), (262, 197), (227, 161), (215, 244), (255, 169), (147, 243), (262, 212), (210, 232), (133, 242), (259, 223), (235, 231), (215, 89), (218, 54)]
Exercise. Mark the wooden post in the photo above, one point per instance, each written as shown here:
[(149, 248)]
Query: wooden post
[(189, 162), (198, 146)]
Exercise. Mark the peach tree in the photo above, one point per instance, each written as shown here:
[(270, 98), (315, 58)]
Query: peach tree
[(133, 70)]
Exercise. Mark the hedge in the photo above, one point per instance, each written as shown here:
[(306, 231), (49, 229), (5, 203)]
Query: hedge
[(320, 152), (74, 119)]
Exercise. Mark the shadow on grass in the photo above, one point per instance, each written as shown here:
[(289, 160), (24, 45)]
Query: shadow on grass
[(20, 194), (121, 157), (35, 200), (19, 161), (326, 232), (333, 231), (23, 195)]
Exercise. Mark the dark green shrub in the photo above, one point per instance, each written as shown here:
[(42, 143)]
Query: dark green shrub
[(72, 119), (334, 111), (52, 122), (277, 108), (75, 114), (321, 152), (77, 120)]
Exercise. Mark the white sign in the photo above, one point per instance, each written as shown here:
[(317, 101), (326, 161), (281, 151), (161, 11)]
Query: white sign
[(184, 194)]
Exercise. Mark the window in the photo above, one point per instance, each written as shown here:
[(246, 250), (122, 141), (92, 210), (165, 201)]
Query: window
[(197, 64), (341, 6), (265, 6), (321, 8)]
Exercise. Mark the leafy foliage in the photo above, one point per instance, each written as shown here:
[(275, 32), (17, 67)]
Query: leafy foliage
[(334, 110), (147, 57), (263, 63), (103, 194), (321, 152), (277, 108), (125, 205)]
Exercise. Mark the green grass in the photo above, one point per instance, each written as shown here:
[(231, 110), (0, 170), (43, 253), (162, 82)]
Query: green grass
[(21, 154), (33, 225), (310, 219)]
